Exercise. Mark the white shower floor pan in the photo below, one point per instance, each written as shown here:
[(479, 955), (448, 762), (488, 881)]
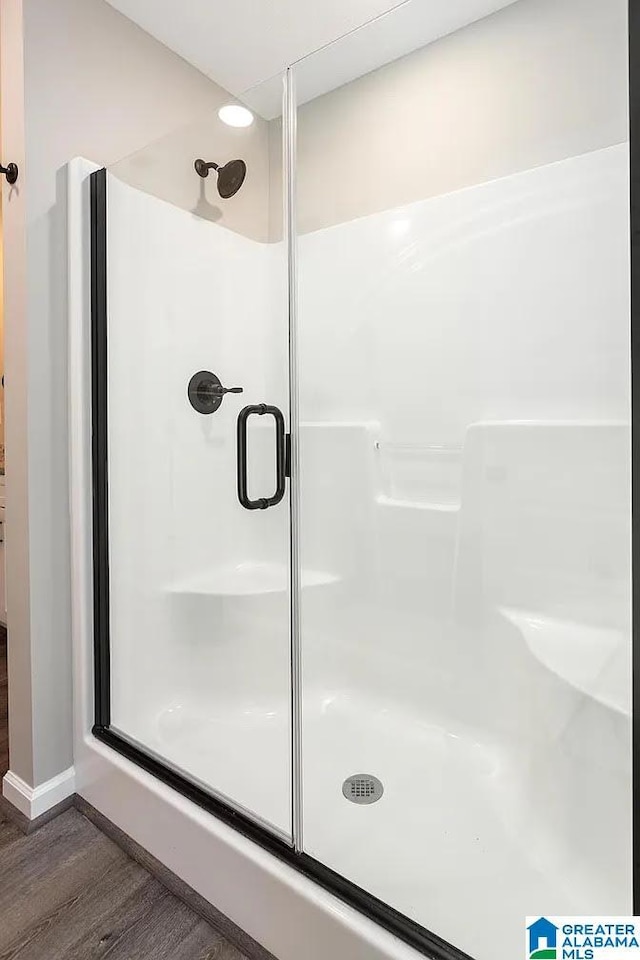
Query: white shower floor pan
[(452, 843)]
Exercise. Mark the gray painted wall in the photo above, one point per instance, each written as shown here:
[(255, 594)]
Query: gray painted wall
[(538, 81), (16, 360)]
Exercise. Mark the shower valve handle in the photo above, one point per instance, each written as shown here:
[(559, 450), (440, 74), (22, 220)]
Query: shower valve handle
[(220, 390), (206, 393)]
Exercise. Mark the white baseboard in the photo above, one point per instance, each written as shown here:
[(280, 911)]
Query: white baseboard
[(34, 801)]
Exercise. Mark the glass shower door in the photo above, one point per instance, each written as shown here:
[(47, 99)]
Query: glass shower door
[(452, 731), (463, 333), (195, 336)]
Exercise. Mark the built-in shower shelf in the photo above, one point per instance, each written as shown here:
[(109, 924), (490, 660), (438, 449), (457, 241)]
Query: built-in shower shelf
[(594, 660), (248, 580), (442, 507)]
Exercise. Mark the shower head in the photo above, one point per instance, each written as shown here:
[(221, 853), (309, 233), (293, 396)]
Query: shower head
[(230, 176)]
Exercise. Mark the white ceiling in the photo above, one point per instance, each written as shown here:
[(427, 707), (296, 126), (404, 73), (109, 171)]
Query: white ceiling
[(240, 43)]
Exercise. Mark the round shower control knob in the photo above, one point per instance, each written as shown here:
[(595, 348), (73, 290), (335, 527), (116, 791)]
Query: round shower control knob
[(206, 393)]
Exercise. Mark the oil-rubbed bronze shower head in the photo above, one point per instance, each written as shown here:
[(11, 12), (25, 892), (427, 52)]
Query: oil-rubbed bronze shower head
[(230, 176), (10, 172)]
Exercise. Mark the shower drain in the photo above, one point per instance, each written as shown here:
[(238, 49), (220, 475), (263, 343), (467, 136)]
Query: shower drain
[(362, 788)]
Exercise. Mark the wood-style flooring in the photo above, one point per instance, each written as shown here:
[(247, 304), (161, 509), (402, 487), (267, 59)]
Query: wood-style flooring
[(67, 892)]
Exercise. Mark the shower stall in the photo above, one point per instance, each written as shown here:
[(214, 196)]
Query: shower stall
[(354, 578)]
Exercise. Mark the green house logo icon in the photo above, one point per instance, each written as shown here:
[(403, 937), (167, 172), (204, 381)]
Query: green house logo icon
[(542, 940)]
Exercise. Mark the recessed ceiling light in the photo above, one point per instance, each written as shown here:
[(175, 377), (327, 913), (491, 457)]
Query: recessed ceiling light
[(235, 115)]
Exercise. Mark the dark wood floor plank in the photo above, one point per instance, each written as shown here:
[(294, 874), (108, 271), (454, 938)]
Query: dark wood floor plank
[(68, 892), (65, 838), (9, 833), (89, 914), (49, 870), (128, 914), (168, 931)]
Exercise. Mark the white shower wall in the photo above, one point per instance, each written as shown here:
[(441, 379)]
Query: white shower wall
[(427, 300), (407, 341), (423, 326)]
